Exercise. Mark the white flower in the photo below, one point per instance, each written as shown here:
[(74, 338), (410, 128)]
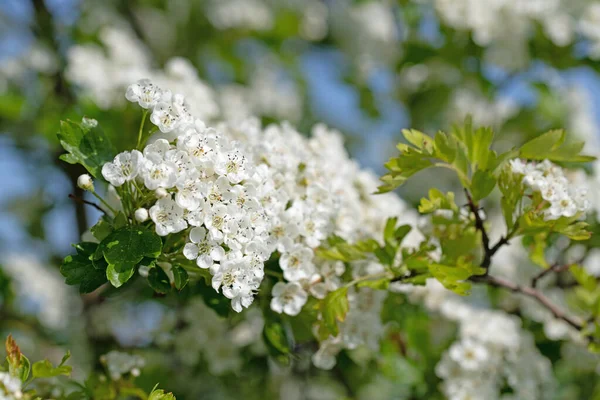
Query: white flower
[(144, 92), (233, 166), (123, 168), (471, 355), (85, 182), (324, 358), (141, 215), (170, 112), (297, 263), (158, 172), (190, 192), (203, 249), (288, 298), (216, 220), (167, 216)]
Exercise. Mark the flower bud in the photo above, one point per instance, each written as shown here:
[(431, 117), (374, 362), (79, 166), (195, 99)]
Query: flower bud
[(85, 182), (161, 192), (141, 215)]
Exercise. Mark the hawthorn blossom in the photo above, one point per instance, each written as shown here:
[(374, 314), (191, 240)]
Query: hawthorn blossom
[(125, 167), (288, 298), (203, 248), (167, 216), (297, 263), (143, 92)]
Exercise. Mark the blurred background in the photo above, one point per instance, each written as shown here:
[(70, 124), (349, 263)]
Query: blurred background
[(367, 68)]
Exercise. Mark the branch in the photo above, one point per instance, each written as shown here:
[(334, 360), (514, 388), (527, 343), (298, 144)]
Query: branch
[(533, 293), (554, 268), (80, 200), (488, 252), (529, 291)]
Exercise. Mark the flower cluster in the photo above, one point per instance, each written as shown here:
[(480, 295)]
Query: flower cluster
[(317, 191), (550, 181), (491, 351), (204, 182), (10, 387), (104, 72)]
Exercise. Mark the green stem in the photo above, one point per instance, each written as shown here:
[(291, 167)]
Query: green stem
[(140, 133), (104, 202)]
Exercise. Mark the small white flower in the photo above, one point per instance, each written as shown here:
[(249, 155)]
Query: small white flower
[(297, 263), (123, 168), (288, 298), (203, 249), (158, 172), (324, 358), (144, 92), (85, 182), (470, 354), (233, 166), (167, 216)]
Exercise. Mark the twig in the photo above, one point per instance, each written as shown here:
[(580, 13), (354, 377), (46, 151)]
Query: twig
[(529, 291), (89, 203), (533, 293), (554, 268), (488, 252)]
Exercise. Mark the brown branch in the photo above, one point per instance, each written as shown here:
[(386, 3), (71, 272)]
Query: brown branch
[(529, 291), (557, 268), (89, 203), (533, 293), (488, 252)]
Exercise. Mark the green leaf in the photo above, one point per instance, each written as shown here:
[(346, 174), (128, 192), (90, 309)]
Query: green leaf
[(45, 369), (159, 394), (119, 278), (377, 284), (482, 184), (551, 145), (22, 371), (437, 201), (276, 338), (86, 146), (127, 246), (102, 228), (445, 147), (79, 269), (455, 277), (159, 281), (419, 140), (390, 227), (180, 277), (334, 308), (512, 189), (537, 255)]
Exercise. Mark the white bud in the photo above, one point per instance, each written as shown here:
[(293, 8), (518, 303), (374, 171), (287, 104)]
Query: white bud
[(161, 192), (141, 215), (135, 372), (85, 182)]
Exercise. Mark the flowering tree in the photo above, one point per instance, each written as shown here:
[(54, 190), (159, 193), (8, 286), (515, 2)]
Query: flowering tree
[(229, 246)]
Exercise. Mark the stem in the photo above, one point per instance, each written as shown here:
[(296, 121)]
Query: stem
[(529, 291), (104, 202), (140, 133), (533, 293), (553, 268), (89, 203)]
